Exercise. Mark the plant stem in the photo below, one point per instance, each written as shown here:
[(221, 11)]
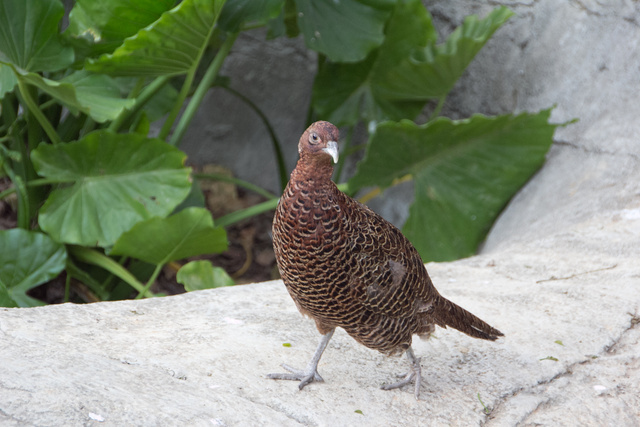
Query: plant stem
[(94, 257), (107, 283), (23, 196), (82, 276), (182, 95), (135, 91), (150, 282), (277, 147), (46, 181), (67, 286), (35, 110), (204, 85), (236, 181), (7, 192), (269, 205), (146, 94), (436, 111), (241, 214), (9, 158)]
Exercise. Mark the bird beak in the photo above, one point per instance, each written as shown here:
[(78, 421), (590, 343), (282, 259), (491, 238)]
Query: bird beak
[(332, 150)]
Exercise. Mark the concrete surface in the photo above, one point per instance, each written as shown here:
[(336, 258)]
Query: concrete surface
[(559, 275)]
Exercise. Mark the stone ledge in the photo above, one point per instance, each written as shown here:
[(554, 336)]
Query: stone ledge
[(200, 358)]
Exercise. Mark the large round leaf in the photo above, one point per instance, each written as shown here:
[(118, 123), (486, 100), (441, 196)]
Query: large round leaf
[(431, 72), (406, 71), (106, 23), (171, 45), (345, 30), (111, 182), (464, 174), (161, 240), (28, 260), (94, 94), (198, 275), (98, 95), (29, 36)]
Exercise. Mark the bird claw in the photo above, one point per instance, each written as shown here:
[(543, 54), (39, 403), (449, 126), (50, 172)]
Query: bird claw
[(407, 379), (305, 377), (414, 375)]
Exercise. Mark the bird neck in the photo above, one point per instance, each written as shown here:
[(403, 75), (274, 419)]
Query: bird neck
[(314, 170)]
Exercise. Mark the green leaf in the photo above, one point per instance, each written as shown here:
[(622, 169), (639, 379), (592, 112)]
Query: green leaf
[(8, 80), (239, 12), (112, 181), (161, 240), (28, 259), (345, 30), (5, 297), (432, 71), (172, 45), (63, 92), (95, 95), (409, 69), (464, 174), (104, 24), (29, 35), (344, 93), (98, 95), (199, 275)]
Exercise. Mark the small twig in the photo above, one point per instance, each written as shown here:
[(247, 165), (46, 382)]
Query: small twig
[(552, 278)]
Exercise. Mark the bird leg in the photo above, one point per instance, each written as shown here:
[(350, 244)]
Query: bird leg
[(310, 374), (414, 374)]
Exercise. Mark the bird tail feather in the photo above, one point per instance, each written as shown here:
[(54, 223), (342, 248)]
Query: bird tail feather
[(450, 314)]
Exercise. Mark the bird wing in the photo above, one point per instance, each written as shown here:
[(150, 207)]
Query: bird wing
[(387, 275)]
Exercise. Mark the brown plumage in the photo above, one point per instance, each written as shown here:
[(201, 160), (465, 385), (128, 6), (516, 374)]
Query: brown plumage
[(346, 266)]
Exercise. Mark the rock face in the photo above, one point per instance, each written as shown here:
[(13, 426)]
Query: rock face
[(559, 275)]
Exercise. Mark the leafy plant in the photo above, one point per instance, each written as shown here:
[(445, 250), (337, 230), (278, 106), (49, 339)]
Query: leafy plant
[(105, 193), (101, 199)]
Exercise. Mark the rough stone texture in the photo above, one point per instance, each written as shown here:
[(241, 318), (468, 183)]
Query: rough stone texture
[(559, 275)]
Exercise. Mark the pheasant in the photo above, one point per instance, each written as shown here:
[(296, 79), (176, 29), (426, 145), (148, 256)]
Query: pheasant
[(346, 266)]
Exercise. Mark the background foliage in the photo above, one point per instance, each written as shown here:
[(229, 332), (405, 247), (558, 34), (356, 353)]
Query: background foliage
[(108, 205)]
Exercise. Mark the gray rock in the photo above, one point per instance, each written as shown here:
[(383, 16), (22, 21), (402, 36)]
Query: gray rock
[(559, 275), (200, 358)]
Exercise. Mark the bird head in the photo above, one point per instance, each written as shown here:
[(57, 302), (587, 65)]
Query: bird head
[(320, 140)]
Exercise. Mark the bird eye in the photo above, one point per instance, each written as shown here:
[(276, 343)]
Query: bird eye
[(314, 138)]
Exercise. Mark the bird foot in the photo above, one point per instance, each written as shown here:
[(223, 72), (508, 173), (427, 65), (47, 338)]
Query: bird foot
[(414, 375), (310, 374), (304, 376), (408, 378)]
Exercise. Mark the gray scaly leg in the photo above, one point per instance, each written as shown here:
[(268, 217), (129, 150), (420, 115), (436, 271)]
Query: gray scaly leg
[(414, 374), (309, 374)]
